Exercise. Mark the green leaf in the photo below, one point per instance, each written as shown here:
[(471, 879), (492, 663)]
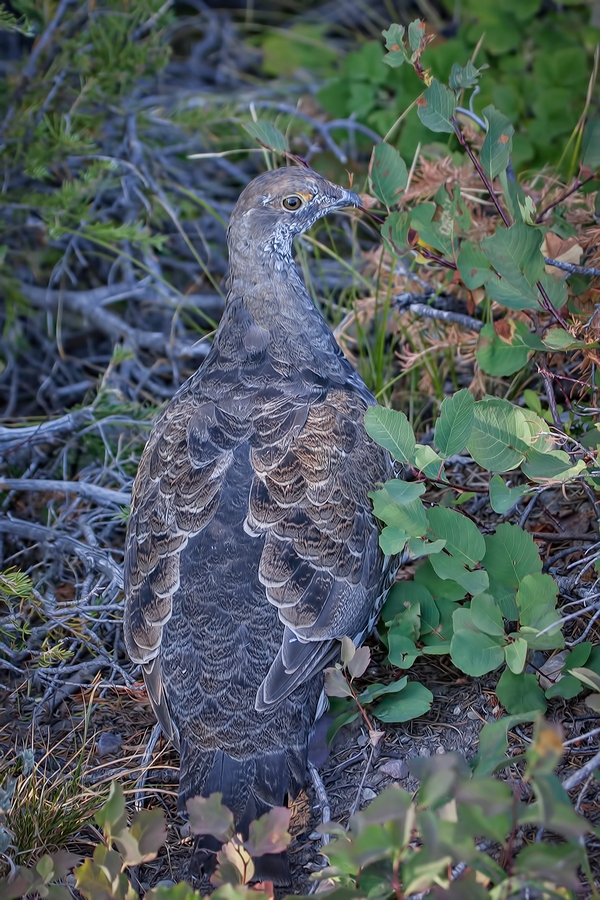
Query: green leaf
[(520, 693), (427, 461), (412, 518), (435, 107), (463, 77), (493, 744), (591, 144), (497, 146), (416, 548), (516, 255), (567, 687), (395, 492), (387, 173), (373, 691), (498, 355), (447, 567), (551, 467), (440, 589), (463, 539), (486, 615), (516, 654), (587, 676), (430, 231), (415, 700), (416, 33), (405, 594), (473, 651), (552, 808), (527, 210), (395, 232), (503, 498), (401, 650), (559, 339), (500, 290), (500, 437), (473, 266), (510, 556), (112, 817), (392, 430), (392, 540), (143, 840), (394, 37), (455, 423), (550, 862), (267, 135)]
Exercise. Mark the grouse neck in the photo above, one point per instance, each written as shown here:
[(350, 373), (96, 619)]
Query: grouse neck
[(273, 292)]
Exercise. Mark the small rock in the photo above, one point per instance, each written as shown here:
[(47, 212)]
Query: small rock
[(395, 768), (440, 750), (472, 715), (362, 740), (315, 836), (184, 830), (424, 751), (368, 794), (166, 882), (108, 743), (457, 710)]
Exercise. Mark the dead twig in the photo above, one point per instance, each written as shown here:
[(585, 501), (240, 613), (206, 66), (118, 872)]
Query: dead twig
[(100, 495)]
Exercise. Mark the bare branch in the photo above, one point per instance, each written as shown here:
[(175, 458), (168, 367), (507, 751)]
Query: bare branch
[(100, 495), (92, 557)]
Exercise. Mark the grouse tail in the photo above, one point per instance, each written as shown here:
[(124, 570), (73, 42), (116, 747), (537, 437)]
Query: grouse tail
[(250, 788)]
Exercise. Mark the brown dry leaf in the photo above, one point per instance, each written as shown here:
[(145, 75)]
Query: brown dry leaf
[(430, 175), (557, 248)]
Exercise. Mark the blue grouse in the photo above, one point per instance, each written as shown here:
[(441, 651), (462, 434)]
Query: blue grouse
[(252, 548)]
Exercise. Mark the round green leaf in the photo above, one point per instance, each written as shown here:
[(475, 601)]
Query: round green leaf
[(503, 498), (473, 651), (520, 693), (498, 357), (500, 437), (473, 265), (415, 700), (486, 615), (463, 539), (392, 540)]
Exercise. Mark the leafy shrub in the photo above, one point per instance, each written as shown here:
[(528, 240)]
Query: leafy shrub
[(537, 64), (397, 845)]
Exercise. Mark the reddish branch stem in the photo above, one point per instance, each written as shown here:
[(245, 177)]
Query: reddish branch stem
[(546, 302), (480, 172), (562, 197)]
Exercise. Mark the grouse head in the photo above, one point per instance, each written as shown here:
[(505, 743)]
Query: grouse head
[(281, 204)]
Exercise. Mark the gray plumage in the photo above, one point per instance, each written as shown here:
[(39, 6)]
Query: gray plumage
[(252, 548)]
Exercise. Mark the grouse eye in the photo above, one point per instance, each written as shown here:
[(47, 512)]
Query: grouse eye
[(292, 203)]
